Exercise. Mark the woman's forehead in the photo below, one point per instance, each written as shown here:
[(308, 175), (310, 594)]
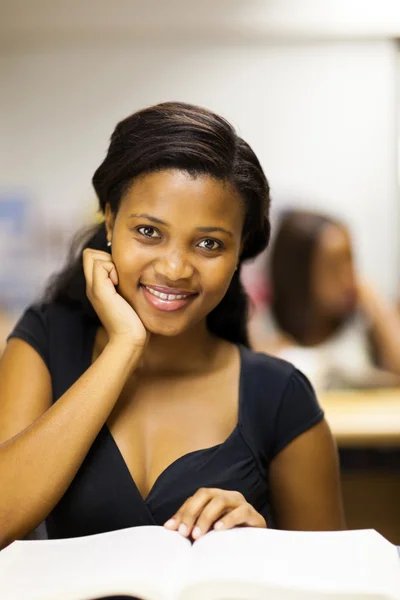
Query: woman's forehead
[(173, 193)]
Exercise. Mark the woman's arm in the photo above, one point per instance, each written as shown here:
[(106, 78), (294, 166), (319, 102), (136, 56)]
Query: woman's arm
[(385, 326), (41, 445), (305, 483), (38, 463)]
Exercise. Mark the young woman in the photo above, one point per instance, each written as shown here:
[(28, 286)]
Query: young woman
[(130, 395), (337, 329)]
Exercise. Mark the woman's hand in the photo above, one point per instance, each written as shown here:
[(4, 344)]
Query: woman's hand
[(118, 317), (211, 508)]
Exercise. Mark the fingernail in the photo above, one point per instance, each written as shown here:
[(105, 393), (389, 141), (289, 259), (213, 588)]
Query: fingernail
[(196, 532), (170, 523), (182, 529), (219, 525)]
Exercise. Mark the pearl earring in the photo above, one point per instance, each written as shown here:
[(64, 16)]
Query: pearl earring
[(108, 244)]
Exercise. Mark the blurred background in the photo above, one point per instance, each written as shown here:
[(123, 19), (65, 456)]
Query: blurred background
[(312, 85)]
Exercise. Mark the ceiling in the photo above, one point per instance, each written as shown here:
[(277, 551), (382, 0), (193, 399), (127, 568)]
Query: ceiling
[(25, 22)]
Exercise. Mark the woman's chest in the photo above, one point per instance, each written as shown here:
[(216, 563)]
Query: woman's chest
[(166, 438), (156, 421)]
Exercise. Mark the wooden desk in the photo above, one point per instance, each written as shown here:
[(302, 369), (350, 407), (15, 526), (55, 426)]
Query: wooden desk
[(363, 418), (368, 419)]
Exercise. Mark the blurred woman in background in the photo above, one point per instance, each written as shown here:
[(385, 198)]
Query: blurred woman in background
[(322, 317)]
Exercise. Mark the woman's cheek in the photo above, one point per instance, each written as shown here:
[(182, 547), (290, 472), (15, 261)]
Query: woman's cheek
[(129, 263), (218, 285)]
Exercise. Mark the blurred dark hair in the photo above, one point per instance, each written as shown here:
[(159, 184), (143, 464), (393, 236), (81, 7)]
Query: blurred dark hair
[(291, 260), (181, 136)]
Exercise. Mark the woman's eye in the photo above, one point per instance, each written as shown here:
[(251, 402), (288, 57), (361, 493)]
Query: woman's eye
[(210, 244), (148, 232)]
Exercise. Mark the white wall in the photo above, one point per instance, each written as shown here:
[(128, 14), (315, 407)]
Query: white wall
[(27, 21), (321, 116)]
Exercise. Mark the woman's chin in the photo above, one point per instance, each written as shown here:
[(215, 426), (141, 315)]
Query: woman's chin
[(161, 327)]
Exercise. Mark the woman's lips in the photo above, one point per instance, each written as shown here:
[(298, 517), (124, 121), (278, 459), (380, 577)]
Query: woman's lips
[(168, 290), (166, 299)]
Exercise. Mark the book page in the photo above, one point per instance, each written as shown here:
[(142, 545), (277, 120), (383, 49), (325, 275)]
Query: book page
[(138, 561), (245, 562)]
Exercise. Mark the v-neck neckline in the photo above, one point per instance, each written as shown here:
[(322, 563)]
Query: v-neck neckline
[(168, 468)]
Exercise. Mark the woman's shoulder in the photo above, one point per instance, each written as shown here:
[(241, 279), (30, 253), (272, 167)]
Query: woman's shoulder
[(50, 315), (279, 400), (269, 382), (51, 327), (265, 366)]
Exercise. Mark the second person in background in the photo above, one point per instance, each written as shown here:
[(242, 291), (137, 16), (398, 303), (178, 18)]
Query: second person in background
[(322, 316)]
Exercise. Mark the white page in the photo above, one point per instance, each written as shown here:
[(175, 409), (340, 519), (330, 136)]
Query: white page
[(340, 563), (138, 561)]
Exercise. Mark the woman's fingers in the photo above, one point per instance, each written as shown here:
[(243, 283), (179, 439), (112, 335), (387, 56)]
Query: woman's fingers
[(87, 261), (89, 257), (115, 313), (244, 514), (114, 276), (200, 512), (212, 512), (184, 519), (102, 277), (99, 272)]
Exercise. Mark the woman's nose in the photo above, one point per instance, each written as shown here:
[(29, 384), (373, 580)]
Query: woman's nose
[(174, 266)]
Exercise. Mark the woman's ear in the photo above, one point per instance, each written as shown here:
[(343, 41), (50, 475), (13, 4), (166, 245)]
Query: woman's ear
[(109, 222)]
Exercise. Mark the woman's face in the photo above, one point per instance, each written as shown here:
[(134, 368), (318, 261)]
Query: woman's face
[(176, 241), (333, 276)]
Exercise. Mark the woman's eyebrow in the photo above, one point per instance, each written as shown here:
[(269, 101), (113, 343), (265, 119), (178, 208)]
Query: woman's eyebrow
[(148, 217), (213, 230), (160, 222)]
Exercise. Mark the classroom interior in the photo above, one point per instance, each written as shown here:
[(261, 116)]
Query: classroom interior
[(312, 85)]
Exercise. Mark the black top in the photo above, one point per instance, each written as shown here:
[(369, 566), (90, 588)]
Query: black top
[(276, 404)]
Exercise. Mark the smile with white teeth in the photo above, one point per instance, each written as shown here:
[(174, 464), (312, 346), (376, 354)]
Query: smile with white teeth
[(166, 296)]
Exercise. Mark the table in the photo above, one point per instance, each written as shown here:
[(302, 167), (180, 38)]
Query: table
[(368, 421), (364, 418)]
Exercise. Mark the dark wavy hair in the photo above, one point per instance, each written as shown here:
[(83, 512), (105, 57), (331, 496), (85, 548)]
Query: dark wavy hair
[(175, 135), (292, 254)]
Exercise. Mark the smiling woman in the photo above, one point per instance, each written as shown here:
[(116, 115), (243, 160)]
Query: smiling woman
[(170, 270), (171, 163), (141, 401)]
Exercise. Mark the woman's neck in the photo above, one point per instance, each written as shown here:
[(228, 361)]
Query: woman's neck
[(193, 351)]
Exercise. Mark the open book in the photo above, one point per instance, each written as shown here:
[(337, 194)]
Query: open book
[(152, 563)]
